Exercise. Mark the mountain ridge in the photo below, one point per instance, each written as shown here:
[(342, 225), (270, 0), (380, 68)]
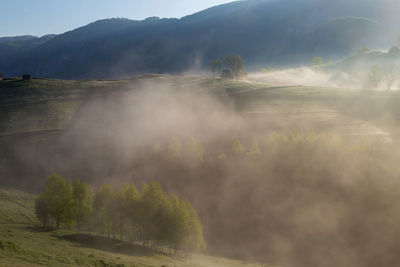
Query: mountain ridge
[(264, 32)]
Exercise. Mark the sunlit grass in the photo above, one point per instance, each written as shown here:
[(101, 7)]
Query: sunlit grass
[(24, 243)]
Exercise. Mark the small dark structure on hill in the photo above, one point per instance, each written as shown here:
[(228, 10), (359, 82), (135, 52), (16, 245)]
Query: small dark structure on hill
[(227, 74), (1, 77), (26, 77)]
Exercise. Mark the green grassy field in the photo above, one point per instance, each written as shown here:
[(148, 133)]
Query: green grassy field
[(44, 104), (16, 207), (35, 111), (24, 243)]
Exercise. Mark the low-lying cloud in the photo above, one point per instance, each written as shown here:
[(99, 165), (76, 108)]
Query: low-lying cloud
[(307, 76)]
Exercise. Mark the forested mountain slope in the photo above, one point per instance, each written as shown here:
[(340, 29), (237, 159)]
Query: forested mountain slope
[(264, 32)]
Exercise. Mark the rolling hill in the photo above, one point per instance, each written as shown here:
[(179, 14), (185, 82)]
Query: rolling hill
[(63, 125), (111, 131), (264, 32), (24, 243)]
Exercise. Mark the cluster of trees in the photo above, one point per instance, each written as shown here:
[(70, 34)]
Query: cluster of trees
[(259, 191), (285, 186), (232, 67), (384, 75), (192, 151), (148, 217)]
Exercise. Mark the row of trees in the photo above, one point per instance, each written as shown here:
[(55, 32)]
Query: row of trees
[(148, 217), (192, 152), (231, 67), (273, 182)]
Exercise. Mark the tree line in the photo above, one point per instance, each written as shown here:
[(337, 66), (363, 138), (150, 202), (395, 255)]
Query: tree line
[(283, 185), (149, 217)]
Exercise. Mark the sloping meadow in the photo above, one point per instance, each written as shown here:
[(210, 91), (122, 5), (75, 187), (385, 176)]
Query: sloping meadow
[(262, 190)]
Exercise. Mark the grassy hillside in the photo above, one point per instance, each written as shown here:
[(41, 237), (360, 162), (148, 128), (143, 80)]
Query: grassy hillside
[(100, 131), (23, 243), (36, 115), (16, 207), (45, 106)]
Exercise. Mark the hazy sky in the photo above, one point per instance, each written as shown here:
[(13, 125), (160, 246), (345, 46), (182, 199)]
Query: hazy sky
[(39, 17)]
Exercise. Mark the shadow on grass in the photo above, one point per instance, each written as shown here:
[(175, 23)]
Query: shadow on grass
[(38, 229), (107, 244)]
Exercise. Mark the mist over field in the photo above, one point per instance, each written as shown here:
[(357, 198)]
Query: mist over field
[(267, 187), (267, 135), (308, 77)]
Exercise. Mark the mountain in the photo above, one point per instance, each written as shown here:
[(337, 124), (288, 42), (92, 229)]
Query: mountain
[(17, 38), (12, 47), (265, 32)]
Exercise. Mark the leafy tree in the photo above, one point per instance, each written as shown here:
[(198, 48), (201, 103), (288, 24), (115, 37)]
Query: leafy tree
[(56, 202), (150, 215), (179, 223), (129, 198), (237, 147), (152, 203), (236, 65), (222, 156), (187, 231), (387, 74), (194, 236), (102, 208), (215, 67), (42, 210), (162, 221), (83, 197)]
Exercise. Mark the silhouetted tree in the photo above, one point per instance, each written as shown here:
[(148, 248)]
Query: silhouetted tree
[(42, 210), (215, 67), (236, 65), (375, 76), (390, 75)]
